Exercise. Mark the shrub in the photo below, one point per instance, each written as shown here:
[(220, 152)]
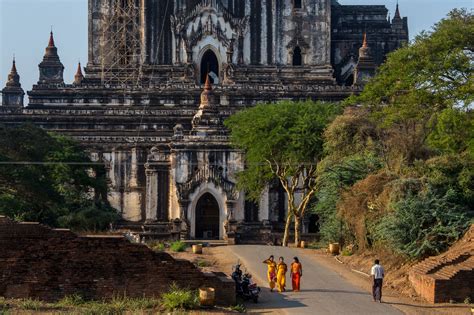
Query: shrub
[(203, 263), (157, 246), (71, 300), (3, 303), (30, 304), (179, 299), (423, 224), (178, 246)]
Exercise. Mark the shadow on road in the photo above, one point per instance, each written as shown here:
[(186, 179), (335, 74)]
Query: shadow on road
[(275, 300)]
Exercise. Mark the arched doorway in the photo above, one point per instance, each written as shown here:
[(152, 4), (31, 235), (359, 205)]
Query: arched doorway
[(209, 65), (297, 57), (207, 217)]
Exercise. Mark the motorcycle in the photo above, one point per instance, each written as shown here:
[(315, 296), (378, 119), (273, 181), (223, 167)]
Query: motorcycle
[(244, 286)]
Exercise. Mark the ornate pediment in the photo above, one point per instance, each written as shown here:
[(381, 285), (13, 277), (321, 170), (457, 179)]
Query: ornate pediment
[(203, 175), (208, 18)]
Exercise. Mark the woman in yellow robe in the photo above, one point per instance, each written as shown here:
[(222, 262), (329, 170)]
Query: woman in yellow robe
[(282, 268), (271, 273)]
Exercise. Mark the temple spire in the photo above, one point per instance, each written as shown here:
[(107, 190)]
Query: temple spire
[(51, 68), (397, 12), (13, 77), (13, 93), (365, 67), (78, 77)]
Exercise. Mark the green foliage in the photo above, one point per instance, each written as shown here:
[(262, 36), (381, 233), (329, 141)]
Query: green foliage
[(422, 95), (179, 299), (349, 134), (239, 308), (30, 304), (453, 132), (423, 224), (157, 246), (47, 178), (286, 133), (203, 263), (451, 172), (334, 178), (71, 300), (433, 73), (178, 246)]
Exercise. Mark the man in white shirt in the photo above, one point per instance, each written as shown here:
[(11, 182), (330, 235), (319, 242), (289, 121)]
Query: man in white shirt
[(378, 274)]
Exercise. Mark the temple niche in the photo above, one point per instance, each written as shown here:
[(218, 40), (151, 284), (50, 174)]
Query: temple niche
[(161, 78)]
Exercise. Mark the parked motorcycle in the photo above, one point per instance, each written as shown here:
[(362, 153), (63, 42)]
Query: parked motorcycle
[(244, 286)]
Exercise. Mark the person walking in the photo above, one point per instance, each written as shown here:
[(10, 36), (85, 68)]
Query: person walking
[(296, 272), (282, 268), (271, 272), (378, 273)]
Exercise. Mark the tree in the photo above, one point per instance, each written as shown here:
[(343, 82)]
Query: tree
[(283, 141), (420, 85), (46, 177)]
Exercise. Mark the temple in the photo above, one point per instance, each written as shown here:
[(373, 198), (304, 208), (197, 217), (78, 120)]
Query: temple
[(162, 76)]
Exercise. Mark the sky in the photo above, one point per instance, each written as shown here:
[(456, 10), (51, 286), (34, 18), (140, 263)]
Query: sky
[(25, 27)]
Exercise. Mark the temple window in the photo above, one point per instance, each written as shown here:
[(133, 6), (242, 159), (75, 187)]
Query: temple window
[(297, 4)]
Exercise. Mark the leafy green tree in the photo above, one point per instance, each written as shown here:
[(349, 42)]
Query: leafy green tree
[(418, 93), (49, 178), (453, 132), (283, 141)]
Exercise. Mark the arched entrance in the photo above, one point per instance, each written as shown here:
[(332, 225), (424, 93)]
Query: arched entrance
[(210, 65), (207, 217), (297, 57)]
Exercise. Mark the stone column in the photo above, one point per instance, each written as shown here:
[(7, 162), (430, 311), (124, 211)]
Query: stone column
[(231, 225), (151, 194), (186, 226)]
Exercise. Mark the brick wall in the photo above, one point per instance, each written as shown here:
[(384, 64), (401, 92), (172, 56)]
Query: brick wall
[(449, 276), (48, 264)]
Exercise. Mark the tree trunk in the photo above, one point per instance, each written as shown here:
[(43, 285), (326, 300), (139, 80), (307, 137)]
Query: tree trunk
[(297, 231), (286, 235)]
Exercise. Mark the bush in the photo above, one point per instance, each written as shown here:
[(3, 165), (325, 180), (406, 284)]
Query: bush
[(157, 246), (71, 300), (423, 224), (30, 304), (179, 299), (178, 246), (203, 263)]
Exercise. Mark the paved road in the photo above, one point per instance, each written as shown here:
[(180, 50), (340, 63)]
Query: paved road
[(323, 290)]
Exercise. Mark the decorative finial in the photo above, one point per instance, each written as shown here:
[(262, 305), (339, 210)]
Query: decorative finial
[(51, 39), (207, 85), (78, 77), (364, 42)]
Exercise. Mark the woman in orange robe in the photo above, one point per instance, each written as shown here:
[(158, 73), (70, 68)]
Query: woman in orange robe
[(281, 275), (296, 273), (271, 273)]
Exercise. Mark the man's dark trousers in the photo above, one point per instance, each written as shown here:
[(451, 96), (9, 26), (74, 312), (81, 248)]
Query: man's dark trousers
[(377, 289)]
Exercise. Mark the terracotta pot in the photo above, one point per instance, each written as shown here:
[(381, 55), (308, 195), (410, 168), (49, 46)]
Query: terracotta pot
[(197, 249), (207, 296), (334, 248)]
